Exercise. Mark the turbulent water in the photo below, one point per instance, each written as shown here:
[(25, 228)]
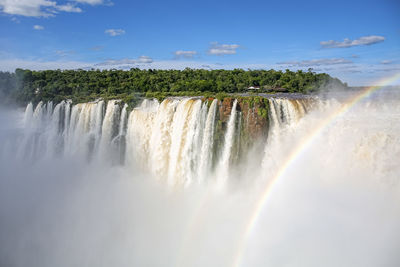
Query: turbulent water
[(168, 184)]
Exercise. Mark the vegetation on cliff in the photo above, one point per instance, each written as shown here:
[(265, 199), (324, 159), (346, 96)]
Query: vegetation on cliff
[(83, 85)]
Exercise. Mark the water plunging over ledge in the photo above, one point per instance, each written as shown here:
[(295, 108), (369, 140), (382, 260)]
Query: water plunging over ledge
[(275, 181)]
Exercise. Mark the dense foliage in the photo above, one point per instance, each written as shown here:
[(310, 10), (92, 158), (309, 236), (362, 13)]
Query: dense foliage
[(83, 85)]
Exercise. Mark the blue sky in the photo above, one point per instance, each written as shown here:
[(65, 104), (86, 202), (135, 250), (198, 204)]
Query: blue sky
[(356, 41)]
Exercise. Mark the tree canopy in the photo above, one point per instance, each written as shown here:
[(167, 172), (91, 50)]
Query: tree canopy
[(83, 85)]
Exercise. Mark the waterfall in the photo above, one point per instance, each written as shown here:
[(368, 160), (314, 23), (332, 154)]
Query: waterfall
[(28, 115), (284, 116), (54, 141), (38, 115), (122, 123), (175, 140), (193, 181), (67, 118), (187, 160), (207, 143), (84, 131), (35, 139), (139, 130), (223, 169), (160, 139), (119, 141), (110, 128)]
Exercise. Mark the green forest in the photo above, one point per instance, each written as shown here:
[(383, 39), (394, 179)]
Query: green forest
[(85, 85)]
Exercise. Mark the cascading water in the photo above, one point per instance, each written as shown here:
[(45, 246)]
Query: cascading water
[(110, 129), (207, 143), (284, 117), (175, 140), (223, 167), (28, 115), (84, 133), (84, 184)]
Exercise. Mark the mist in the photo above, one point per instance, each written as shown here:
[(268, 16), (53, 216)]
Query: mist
[(336, 205)]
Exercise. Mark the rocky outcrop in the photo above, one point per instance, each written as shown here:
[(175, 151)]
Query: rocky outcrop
[(254, 115), (251, 125), (225, 108)]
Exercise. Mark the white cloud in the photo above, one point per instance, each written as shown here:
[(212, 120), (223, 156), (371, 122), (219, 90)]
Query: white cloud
[(126, 61), (145, 59), (114, 32), (90, 2), (185, 54), (222, 49), (317, 62), (97, 48), (35, 8), (12, 64), (15, 20), (38, 27), (365, 40), (386, 62), (94, 2), (63, 53), (69, 8)]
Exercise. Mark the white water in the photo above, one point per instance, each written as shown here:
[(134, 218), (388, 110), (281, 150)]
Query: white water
[(207, 143), (174, 139), (223, 167), (65, 202), (108, 149)]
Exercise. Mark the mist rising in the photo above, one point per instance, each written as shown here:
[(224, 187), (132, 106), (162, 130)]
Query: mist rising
[(96, 184)]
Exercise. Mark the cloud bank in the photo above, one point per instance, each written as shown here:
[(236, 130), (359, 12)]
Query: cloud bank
[(44, 8), (36, 8), (386, 62), (94, 2), (316, 62), (38, 27), (185, 54), (126, 61), (365, 40), (222, 49), (114, 32), (12, 64), (97, 48)]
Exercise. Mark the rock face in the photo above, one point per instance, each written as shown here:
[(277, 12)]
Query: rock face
[(253, 115), (225, 108), (251, 124), (255, 118)]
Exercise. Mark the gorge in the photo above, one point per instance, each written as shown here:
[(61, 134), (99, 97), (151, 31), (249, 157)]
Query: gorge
[(191, 181), (176, 139)]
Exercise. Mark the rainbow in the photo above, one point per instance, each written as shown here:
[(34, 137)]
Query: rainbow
[(296, 154)]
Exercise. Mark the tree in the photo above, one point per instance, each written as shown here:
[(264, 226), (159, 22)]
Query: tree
[(84, 85)]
